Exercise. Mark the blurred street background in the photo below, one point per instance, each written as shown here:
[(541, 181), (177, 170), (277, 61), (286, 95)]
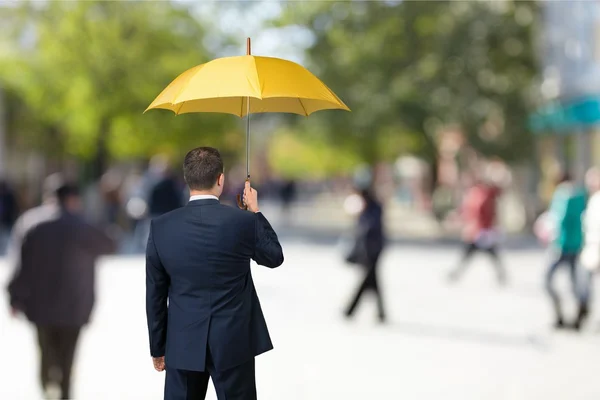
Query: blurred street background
[(444, 95)]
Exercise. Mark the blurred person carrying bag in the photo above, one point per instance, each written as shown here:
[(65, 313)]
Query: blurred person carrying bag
[(369, 241), (354, 248), (352, 244)]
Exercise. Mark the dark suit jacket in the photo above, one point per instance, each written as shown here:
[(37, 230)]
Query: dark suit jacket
[(198, 257), (54, 278)]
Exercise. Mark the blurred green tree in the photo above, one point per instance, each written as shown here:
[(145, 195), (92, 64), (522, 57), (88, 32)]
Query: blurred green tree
[(298, 157), (85, 71), (408, 68)]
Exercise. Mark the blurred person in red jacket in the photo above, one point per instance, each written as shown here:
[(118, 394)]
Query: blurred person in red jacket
[(480, 233)]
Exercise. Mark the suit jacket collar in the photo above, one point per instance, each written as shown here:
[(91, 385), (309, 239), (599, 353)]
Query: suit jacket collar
[(202, 202)]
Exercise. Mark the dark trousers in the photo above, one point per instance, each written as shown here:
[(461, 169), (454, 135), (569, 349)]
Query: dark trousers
[(57, 345), (564, 258), (371, 283), (237, 383), (469, 251)]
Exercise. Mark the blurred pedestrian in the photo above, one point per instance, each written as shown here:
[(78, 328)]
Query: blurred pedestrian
[(204, 316), (369, 242), (480, 233), (165, 195), (566, 209), (134, 200), (110, 188), (161, 193), (590, 254), (287, 194), (53, 284), (9, 211)]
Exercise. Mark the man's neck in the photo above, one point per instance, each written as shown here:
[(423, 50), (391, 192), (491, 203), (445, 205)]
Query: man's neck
[(202, 193)]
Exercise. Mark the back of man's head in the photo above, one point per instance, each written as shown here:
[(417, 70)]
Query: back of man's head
[(202, 168), (68, 196)]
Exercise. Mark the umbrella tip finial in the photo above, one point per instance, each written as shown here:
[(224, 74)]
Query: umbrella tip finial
[(248, 47)]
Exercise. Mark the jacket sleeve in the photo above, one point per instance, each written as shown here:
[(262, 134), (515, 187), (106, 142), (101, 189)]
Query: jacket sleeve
[(267, 250), (157, 289)]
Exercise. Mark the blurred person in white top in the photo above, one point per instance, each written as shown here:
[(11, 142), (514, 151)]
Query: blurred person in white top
[(590, 255)]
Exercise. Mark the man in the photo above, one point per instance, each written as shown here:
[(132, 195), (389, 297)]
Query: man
[(54, 284), (198, 258), (369, 243), (566, 211), (480, 234)]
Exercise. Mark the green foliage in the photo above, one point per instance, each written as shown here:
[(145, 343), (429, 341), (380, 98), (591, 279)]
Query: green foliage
[(80, 74), (295, 156), (408, 68), (95, 66)]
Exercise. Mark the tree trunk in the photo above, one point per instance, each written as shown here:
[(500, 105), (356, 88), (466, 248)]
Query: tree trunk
[(101, 159), (434, 166)]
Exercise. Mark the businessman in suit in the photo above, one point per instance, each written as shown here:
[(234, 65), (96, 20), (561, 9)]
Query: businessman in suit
[(204, 316)]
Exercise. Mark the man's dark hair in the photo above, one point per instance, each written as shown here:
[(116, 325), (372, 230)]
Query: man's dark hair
[(202, 167), (66, 191)]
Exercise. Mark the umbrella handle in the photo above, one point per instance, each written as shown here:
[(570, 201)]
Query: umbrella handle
[(239, 199), (240, 202)]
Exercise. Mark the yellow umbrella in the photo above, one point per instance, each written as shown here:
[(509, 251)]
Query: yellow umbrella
[(247, 85)]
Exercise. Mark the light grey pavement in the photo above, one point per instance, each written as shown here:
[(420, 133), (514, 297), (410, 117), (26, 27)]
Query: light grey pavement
[(472, 340)]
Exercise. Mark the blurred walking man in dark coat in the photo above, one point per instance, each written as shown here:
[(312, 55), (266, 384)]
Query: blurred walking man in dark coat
[(53, 283), (369, 243), (204, 317)]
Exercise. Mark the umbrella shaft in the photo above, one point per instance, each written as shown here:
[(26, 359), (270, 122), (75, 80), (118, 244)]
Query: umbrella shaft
[(248, 137)]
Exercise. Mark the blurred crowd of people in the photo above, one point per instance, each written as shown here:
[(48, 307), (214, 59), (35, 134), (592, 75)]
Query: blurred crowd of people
[(58, 235), (126, 200), (478, 216), (570, 229), (130, 202)]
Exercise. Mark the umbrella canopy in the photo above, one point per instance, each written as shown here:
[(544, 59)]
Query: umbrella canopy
[(247, 85), (225, 85)]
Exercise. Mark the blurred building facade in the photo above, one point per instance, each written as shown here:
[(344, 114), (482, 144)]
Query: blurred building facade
[(568, 120)]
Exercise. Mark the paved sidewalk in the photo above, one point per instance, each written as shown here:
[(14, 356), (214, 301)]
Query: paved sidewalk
[(470, 341)]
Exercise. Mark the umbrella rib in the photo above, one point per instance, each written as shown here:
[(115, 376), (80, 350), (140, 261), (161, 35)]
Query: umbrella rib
[(304, 108), (260, 87), (198, 67)]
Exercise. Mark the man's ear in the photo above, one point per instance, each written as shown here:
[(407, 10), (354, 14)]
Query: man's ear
[(221, 180)]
